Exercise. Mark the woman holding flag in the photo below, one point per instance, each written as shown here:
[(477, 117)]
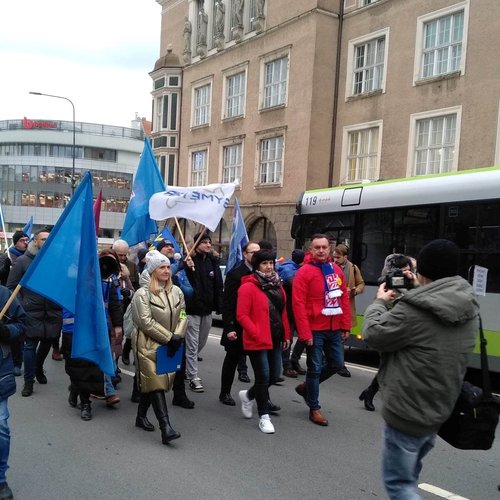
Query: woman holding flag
[(158, 312)]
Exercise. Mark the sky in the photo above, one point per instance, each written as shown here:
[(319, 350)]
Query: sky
[(97, 53)]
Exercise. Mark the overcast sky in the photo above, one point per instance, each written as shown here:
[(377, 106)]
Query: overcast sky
[(98, 53)]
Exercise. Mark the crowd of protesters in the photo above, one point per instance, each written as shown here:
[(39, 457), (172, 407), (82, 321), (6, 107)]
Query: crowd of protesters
[(167, 300)]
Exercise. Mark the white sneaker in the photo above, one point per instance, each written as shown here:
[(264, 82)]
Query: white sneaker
[(195, 385), (265, 425), (246, 404)]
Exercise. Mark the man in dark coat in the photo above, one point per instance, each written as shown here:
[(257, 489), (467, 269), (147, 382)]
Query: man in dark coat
[(206, 279), (12, 327), (232, 332), (44, 320)]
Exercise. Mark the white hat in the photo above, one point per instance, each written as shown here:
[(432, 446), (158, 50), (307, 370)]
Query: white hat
[(155, 259)]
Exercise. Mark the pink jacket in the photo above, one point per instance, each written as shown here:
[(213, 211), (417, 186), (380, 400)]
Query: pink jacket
[(308, 298)]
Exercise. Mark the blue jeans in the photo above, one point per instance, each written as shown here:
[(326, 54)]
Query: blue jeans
[(109, 388), (402, 457), (324, 359), (33, 357), (266, 367), (4, 439)]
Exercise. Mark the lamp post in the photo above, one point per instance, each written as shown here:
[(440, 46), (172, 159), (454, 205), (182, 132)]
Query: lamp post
[(73, 181)]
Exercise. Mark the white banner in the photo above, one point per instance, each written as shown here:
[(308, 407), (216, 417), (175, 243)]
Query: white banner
[(203, 204)]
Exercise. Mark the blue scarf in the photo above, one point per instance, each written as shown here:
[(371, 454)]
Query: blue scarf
[(332, 289)]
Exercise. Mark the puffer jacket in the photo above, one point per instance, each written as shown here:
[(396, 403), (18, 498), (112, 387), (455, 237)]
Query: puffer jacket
[(157, 318), (44, 317), (424, 341)]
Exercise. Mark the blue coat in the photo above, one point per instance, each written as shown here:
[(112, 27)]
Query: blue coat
[(15, 320)]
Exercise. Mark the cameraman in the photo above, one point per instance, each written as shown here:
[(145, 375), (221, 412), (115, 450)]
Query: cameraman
[(398, 275), (424, 341)]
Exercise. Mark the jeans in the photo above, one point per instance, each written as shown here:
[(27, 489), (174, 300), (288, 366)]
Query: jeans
[(402, 456), (196, 338), (33, 357), (266, 367), (109, 388), (321, 368), (4, 439)]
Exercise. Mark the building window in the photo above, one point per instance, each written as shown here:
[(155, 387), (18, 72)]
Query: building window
[(367, 56), (166, 112), (271, 160), (199, 166), (363, 154), (368, 66), (231, 162), (434, 141), (235, 94), (201, 108), (362, 3), (442, 41), (275, 82)]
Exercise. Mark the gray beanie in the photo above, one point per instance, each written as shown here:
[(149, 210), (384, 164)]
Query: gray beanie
[(155, 259)]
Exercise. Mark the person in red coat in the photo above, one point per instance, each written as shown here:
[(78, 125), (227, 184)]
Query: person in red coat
[(261, 312), (323, 319)]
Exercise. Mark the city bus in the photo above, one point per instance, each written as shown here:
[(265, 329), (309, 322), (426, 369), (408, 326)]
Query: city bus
[(377, 218)]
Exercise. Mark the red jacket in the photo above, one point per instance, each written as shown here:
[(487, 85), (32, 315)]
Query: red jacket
[(252, 313), (308, 297)]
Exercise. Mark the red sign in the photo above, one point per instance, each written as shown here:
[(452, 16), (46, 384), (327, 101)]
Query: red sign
[(29, 124)]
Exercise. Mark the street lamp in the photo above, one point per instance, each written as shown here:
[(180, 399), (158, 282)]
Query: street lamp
[(73, 182)]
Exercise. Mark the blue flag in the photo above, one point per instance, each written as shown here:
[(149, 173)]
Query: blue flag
[(165, 234), (66, 271), (28, 228), (239, 237), (138, 226)]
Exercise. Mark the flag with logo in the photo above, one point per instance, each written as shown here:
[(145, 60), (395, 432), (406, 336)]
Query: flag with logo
[(239, 238)]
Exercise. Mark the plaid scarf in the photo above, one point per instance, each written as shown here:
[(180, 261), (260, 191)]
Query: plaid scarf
[(332, 289)]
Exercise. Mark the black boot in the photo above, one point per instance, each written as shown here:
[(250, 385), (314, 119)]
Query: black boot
[(86, 411), (142, 420), (367, 396), (136, 395), (159, 404), (127, 347)]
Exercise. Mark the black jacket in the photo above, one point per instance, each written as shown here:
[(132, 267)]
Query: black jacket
[(231, 285), (44, 317), (206, 280)]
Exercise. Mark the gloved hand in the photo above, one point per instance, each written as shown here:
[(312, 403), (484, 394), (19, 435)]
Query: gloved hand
[(174, 343), (4, 333)]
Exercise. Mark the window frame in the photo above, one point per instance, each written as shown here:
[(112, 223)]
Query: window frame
[(412, 141), (227, 74), (258, 157), (192, 151), (269, 59), (194, 109), (346, 134), (239, 168), (422, 21)]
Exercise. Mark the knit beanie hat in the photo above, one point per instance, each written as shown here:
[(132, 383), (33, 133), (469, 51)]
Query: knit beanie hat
[(18, 235), (162, 244), (438, 259), (155, 259), (298, 256), (206, 236), (261, 256)]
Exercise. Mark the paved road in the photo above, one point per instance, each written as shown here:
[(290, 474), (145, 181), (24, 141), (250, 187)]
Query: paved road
[(220, 455)]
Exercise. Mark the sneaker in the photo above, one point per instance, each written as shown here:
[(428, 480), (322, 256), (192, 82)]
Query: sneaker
[(246, 404), (344, 372), (195, 385), (265, 425)]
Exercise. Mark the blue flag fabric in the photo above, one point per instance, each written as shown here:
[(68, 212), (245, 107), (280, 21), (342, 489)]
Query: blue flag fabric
[(28, 228), (138, 226), (66, 271), (165, 234), (239, 237)]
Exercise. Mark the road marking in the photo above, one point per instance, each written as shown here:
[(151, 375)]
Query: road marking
[(440, 492)]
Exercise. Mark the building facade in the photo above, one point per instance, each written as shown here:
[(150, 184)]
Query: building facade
[(293, 95), (36, 169)]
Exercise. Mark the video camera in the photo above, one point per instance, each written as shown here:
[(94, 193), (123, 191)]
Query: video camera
[(396, 280)]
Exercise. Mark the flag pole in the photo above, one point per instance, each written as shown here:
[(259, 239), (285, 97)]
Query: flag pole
[(9, 302), (181, 235), (202, 233), (5, 234)]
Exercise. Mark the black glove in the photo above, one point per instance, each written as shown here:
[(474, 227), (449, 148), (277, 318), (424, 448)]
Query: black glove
[(174, 343), (4, 333)]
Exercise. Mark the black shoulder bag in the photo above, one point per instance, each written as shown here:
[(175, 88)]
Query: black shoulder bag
[(472, 424)]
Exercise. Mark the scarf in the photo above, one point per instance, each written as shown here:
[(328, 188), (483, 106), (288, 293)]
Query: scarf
[(332, 289), (271, 286), (268, 281)]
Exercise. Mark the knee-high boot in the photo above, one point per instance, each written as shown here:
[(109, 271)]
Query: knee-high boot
[(159, 403), (142, 420), (369, 393), (127, 347)]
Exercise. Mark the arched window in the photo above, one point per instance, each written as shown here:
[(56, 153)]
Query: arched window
[(263, 229)]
